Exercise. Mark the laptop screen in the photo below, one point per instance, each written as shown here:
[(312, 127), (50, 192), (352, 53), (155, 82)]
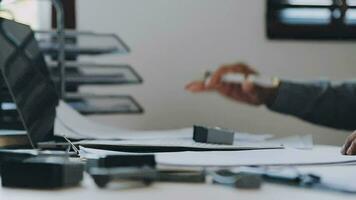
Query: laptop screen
[(25, 74)]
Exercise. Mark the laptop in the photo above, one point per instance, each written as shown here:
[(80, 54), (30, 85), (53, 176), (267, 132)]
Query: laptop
[(25, 74)]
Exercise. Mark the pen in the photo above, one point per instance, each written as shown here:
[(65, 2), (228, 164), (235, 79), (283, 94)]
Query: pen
[(240, 78)]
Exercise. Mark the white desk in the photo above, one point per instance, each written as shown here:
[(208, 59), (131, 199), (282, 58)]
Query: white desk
[(170, 191), (88, 191)]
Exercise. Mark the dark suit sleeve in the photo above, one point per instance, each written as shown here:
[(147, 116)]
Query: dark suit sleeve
[(320, 103)]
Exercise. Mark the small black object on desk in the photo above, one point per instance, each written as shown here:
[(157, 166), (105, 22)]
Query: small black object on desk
[(127, 168), (146, 175), (181, 176), (113, 161), (213, 135), (103, 176), (45, 172)]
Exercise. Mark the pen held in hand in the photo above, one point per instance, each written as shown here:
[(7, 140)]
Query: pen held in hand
[(241, 78)]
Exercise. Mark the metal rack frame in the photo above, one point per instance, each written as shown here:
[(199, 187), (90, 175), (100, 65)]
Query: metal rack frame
[(61, 33), (75, 33), (61, 42)]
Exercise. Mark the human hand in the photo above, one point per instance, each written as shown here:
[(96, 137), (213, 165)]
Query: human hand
[(247, 91), (349, 147)]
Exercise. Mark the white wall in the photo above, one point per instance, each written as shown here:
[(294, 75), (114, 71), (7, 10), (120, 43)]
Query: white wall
[(175, 41)]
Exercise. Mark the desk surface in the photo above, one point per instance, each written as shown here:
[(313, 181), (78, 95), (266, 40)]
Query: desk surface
[(164, 191), (89, 191)]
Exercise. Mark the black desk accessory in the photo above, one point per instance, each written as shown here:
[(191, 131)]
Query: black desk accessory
[(15, 155), (137, 168), (45, 172), (181, 176), (213, 135), (113, 161), (104, 176), (146, 175)]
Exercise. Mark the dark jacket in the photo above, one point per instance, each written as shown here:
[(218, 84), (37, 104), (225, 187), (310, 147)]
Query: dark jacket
[(322, 103)]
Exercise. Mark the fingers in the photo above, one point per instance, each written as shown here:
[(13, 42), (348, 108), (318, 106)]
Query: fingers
[(349, 147), (217, 77), (248, 86), (246, 92), (237, 93), (231, 90), (348, 143), (196, 86), (227, 89), (352, 149)]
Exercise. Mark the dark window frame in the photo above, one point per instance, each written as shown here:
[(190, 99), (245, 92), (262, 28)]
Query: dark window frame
[(335, 30)]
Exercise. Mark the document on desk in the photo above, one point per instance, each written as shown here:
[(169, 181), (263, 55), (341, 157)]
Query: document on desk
[(320, 155), (71, 124), (339, 178), (185, 143)]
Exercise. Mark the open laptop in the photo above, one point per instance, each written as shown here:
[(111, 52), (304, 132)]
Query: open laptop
[(25, 74), (23, 71)]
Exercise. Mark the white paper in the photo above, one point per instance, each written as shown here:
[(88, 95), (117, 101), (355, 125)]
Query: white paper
[(336, 177), (85, 152), (296, 141), (71, 124), (178, 143), (320, 155)]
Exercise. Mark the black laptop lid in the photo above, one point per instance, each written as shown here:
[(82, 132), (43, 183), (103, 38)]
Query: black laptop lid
[(25, 74)]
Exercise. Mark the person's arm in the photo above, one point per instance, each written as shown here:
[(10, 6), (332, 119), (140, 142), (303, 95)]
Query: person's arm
[(319, 103)]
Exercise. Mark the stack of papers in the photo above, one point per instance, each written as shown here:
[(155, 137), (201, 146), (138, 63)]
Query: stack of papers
[(322, 155), (71, 124), (184, 143)]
